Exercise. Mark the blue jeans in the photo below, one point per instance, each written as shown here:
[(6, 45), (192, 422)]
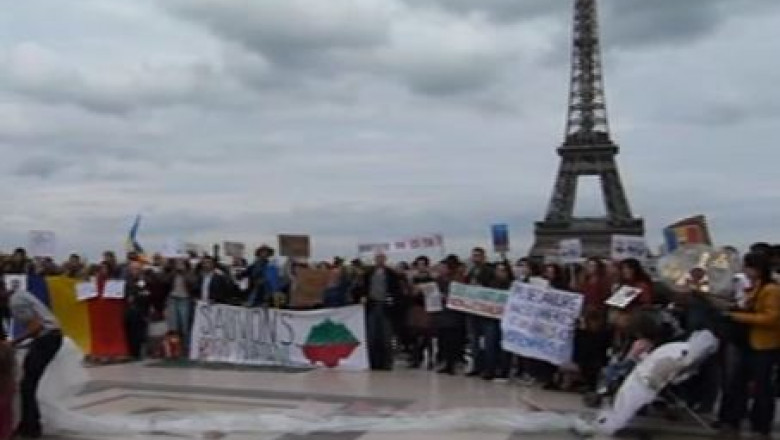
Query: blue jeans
[(179, 317), (495, 360)]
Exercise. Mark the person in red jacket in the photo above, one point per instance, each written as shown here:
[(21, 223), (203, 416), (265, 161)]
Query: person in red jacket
[(632, 274)]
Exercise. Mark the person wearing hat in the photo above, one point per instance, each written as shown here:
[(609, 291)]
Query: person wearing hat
[(263, 277)]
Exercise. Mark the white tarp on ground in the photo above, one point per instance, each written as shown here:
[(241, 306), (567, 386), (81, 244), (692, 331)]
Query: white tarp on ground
[(65, 377)]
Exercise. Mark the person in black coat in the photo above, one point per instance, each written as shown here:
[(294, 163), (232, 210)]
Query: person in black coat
[(214, 285), (137, 311), (481, 274), (381, 289)]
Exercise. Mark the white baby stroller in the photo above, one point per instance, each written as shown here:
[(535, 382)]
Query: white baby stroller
[(668, 365), (657, 324)]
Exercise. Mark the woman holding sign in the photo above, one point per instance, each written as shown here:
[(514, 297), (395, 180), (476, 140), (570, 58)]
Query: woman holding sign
[(633, 275), (418, 319)]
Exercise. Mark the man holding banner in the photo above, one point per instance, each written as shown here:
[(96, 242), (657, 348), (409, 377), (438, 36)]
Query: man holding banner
[(481, 274)]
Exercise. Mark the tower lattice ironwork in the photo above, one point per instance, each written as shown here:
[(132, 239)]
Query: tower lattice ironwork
[(587, 150)]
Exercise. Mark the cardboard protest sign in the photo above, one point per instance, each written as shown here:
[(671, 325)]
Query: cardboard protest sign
[(295, 246), (628, 246), (234, 249), (331, 338), (539, 323), (500, 235), (42, 243), (309, 287), (570, 251), (477, 300)]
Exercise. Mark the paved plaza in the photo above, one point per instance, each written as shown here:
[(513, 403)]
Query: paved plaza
[(141, 390)]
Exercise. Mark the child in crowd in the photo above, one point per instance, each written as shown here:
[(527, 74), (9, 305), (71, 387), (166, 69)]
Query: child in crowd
[(7, 389), (645, 332)]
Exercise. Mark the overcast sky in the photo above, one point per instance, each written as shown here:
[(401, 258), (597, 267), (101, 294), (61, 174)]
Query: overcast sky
[(355, 120)]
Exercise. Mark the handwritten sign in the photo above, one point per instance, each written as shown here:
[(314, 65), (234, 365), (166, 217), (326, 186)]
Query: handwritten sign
[(333, 338), (42, 243), (114, 289), (477, 300), (628, 246), (295, 246), (570, 251), (433, 297), (539, 323), (19, 280), (309, 287), (86, 290)]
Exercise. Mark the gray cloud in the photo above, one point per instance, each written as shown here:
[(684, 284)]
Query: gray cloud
[(387, 119), (301, 43), (291, 32), (42, 167)]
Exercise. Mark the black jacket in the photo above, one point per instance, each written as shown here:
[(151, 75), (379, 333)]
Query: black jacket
[(395, 287), (221, 288), (483, 275)]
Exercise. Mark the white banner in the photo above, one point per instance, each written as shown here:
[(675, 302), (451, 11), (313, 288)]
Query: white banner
[(628, 246), (42, 243), (333, 338), (539, 323), (404, 245), (570, 251)]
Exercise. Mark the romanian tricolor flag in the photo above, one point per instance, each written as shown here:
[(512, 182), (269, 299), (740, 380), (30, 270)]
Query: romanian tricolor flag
[(59, 294), (692, 230)]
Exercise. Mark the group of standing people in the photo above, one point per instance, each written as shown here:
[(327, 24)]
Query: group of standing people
[(736, 385), (742, 377)]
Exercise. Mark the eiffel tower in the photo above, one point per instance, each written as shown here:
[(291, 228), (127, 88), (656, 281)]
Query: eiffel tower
[(587, 150)]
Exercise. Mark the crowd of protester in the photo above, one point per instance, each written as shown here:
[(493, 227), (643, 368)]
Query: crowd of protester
[(163, 292)]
